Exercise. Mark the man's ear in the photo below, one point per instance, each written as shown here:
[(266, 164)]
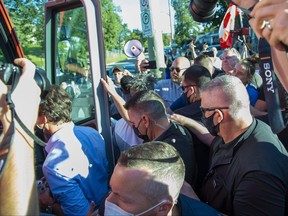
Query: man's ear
[(190, 92), (220, 116), (42, 119), (146, 120), (164, 209)]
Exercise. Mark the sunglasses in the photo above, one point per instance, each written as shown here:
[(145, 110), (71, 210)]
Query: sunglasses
[(204, 110), (177, 69)]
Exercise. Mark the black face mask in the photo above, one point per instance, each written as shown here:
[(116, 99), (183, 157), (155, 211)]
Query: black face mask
[(138, 133), (186, 93), (208, 123)]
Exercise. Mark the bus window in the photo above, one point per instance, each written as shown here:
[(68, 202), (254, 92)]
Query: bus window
[(2, 57), (72, 61)]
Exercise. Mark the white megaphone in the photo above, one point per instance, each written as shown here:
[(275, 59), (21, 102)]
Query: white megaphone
[(133, 48)]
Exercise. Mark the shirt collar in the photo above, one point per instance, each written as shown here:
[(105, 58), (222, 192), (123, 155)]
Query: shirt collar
[(224, 153), (64, 131)]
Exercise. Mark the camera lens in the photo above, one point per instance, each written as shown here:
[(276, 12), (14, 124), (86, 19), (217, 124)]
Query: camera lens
[(8, 72), (202, 10), (42, 81)]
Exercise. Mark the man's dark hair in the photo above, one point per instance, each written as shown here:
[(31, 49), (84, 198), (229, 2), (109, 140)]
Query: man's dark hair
[(163, 162), (205, 61), (57, 106), (208, 53), (143, 82), (197, 75), (249, 65), (148, 102), (125, 83)]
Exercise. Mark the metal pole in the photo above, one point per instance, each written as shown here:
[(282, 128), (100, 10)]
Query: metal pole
[(171, 27)]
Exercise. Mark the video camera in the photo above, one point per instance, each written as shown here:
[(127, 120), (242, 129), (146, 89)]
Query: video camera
[(240, 32), (202, 10), (9, 71)]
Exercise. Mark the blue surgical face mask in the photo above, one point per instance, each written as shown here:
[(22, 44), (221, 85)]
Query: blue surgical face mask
[(111, 209)]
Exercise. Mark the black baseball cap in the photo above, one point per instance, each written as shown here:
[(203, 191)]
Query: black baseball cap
[(117, 68)]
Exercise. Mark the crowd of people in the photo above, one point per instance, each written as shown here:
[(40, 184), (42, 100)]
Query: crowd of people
[(218, 108), (198, 143)]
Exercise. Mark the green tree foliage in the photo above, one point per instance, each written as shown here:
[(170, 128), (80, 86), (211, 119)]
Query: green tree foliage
[(112, 24), (137, 34), (166, 40), (28, 19), (186, 28), (123, 36)]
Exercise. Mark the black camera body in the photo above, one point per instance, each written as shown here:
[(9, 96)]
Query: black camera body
[(240, 32), (7, 72), (151, 65), (10, 72)]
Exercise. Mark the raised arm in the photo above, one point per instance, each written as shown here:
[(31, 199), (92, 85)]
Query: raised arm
[(118, 100), (192, 49), (17, 183), (195, 127)]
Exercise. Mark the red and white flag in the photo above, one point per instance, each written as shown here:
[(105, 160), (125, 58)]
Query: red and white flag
[(227, 24)]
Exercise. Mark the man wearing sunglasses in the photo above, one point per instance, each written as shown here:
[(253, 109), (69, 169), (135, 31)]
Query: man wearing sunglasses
[(194, 78), (169, 89), (248, 164)]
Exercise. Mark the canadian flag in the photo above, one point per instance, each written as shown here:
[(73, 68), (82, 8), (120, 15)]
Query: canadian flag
[(227, 24)]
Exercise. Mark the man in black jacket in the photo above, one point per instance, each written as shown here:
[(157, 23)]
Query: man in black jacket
[(248, 172), (147, 114)]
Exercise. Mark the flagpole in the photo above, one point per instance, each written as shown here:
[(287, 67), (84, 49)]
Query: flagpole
[(243, 36), (244, 42), (241, 24)]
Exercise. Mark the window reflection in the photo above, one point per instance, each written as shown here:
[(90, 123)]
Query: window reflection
[(72, 62)]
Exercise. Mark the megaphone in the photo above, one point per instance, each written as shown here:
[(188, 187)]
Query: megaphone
[(133, 48)]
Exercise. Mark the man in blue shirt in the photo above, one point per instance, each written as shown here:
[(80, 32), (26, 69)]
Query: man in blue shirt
[(169, 89), (76, 165)]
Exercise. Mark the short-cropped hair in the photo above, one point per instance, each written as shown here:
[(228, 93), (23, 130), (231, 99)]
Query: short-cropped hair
[(234, 93), (197, 75), (148, 102), (164, 164)]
